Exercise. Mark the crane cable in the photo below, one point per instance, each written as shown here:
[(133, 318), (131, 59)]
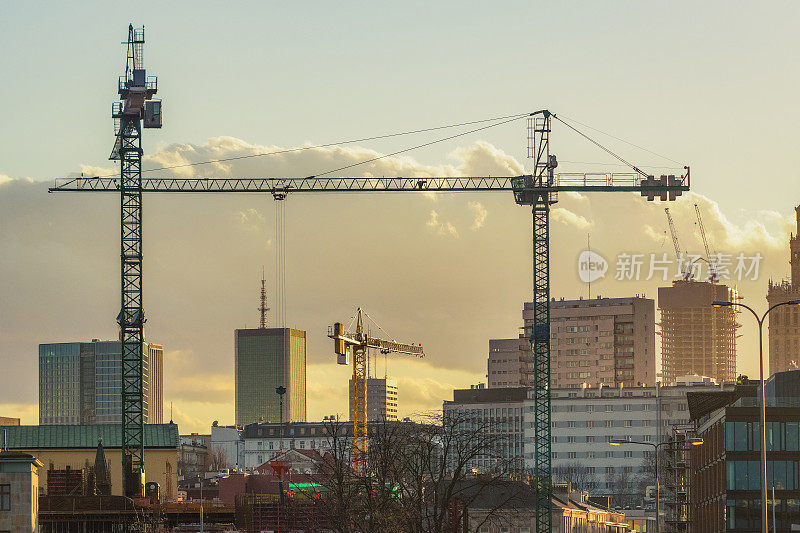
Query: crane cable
[(337, 143), (612, 154), (423, 145)]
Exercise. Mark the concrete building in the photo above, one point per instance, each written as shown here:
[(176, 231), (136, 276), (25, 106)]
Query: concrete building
[(266, 358), (62, 446), (81, 382), (727, 484), (193, 455), (697, 338), (227, 441), (504, 367), (381, 399), (784, 322), (506, 413), (263, 442), (608, 341), (583, 422), (19, 492)]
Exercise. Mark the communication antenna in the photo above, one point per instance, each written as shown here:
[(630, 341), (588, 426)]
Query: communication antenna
[(263, 307)]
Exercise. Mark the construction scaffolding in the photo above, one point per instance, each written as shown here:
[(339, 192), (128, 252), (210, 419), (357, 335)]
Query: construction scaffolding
[(268, 512), (697, 338), (678, 479)]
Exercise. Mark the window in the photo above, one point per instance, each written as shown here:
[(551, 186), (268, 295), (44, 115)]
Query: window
[(5, 497)]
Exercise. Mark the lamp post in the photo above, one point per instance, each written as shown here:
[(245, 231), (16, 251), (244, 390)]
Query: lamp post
[(280, 391), (695, 441), (762, 396)]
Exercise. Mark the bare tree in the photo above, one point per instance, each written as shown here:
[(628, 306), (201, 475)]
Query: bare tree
[(578, 474), (216, 459), (420, 476)]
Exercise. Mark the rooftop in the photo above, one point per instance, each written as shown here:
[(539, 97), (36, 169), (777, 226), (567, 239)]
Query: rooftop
[(73, 436)]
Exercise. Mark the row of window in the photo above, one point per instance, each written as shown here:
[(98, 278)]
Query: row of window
[(746, 475), (745, 436)]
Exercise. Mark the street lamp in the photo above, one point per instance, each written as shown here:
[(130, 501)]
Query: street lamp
[(762, 396), (694, 441)]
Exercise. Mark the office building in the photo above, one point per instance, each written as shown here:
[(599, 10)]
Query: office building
[(267, 358), (697, 338), (264, 442), (727, 484), (608, 341), (81, 382), (784, 322), (381, 399), (583, 422)]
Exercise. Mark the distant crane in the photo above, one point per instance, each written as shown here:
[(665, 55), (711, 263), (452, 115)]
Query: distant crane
[(686, 273), (537, 190), (711, 257), (358, 343)]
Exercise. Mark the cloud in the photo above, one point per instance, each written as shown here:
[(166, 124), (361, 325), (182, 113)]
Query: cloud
[(446, 229), (59, 271), (565, 216), (480, 214)]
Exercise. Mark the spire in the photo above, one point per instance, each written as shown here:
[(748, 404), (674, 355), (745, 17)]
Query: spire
[(263, 308), (101, 480)]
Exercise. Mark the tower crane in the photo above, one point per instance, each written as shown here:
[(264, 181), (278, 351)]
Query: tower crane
[(711, 257), (358, 343), (687, 273), (539, 190)]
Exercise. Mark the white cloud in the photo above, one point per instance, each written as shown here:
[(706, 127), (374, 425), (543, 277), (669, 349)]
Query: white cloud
[(480, 214), (445, 229), (565, 216)]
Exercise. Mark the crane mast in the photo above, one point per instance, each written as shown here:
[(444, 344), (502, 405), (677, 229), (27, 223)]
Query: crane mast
[(135, 109), (687, 273)]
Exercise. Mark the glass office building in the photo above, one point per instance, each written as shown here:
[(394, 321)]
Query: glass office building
[(264, 360), (81, 383)]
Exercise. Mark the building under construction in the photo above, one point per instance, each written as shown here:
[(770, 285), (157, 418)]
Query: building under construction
[(697, 338), (784, 339)]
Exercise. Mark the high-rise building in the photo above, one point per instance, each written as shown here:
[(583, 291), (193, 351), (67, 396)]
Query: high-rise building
[(697, 338), (267, 358), (381, 399), (81, 383), (608, 341), (784, 339)]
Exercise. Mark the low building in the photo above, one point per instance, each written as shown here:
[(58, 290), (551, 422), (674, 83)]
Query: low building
[(59, 447), (263, 442), (227, 446), (193, 455), (727, 482), (19, 492)]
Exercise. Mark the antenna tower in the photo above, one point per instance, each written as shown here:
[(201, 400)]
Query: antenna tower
[(263, 307)]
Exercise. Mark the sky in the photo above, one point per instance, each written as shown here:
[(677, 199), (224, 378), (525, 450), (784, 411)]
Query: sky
[(705, 85)]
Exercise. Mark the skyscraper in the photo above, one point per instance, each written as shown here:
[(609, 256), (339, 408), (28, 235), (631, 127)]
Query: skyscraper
[(267, 358), (381, 399), (697, 338), (81, 383), (784, 339)]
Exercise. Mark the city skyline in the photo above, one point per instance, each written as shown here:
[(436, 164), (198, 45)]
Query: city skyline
[(468, 270)]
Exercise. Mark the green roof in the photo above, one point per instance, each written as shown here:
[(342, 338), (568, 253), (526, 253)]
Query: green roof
[(65, 436)]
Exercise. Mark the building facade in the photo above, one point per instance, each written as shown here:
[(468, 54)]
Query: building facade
[(697, 338), (584, 421), (264, 442), (608, 341), (727, 481), (19, 492), (381, 399), (75, 447), (267, 358), (784, 322), (504, 366), (227, 441), (81, 383)]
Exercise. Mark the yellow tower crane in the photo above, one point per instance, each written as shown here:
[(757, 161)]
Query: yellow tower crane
[(358, 343)]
